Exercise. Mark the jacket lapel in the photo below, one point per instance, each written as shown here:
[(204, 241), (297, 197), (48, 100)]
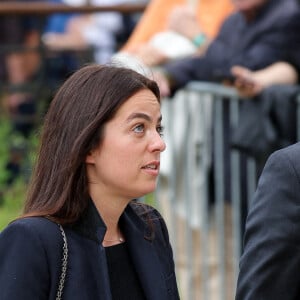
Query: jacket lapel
[(144, 257), (143, 252)]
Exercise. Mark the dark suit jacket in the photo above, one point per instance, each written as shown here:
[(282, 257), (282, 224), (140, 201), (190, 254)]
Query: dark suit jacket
[(256, 44), (268, 122), (270, 264), (31, 253)]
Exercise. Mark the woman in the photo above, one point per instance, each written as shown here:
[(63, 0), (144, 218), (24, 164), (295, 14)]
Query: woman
[(100, 149)]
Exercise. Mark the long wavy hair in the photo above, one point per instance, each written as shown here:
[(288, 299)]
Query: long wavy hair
[(73, 126)]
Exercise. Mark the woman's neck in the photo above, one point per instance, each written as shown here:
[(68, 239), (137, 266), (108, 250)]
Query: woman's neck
[(110, 211)]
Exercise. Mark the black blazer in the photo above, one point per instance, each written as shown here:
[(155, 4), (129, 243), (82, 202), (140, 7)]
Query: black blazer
[(270, 264), (31, 253)]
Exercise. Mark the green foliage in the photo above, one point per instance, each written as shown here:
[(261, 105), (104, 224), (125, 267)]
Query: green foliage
[(12, 202), (14, 146), (4, 150), (150, 200)]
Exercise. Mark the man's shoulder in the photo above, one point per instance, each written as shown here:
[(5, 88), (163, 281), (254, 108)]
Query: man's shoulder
[(289, 154), (292, 150)]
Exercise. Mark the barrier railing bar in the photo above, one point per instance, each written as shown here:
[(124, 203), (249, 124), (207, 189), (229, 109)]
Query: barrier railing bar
[(236, 193), (46, 8), (187, 206), (214, 88), (173, 178), (204, 198), (219, 190)]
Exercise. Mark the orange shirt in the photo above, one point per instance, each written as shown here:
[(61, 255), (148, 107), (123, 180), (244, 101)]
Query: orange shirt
[(210, 14)]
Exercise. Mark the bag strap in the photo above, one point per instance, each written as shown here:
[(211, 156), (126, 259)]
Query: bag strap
[(63, 266)]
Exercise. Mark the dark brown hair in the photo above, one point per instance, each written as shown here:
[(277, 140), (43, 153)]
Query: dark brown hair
[(73, 126)]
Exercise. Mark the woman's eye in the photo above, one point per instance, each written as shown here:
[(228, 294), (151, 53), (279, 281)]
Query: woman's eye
[(160, 130), (139, 128)]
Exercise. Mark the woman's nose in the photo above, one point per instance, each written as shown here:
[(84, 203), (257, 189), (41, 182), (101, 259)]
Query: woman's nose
[(157, 143)]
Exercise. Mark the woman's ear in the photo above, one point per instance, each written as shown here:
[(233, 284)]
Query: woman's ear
[(90, 158)]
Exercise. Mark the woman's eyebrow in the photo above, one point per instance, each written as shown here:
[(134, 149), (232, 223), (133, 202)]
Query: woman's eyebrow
[(141, 116)]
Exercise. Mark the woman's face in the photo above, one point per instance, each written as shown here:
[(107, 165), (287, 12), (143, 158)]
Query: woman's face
[(126, 163)]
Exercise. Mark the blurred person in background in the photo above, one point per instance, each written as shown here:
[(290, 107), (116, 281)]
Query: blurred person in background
[(273, 91), (255, 36), (19, 65), (97, 30), (283, 72), (173, 29), (251, 83)]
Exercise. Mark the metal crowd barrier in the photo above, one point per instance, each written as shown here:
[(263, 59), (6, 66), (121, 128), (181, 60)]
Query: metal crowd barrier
[(205, 226)]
